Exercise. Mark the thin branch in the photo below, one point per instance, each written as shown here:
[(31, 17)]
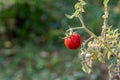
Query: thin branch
[(88, 40), (83, 25), (75, 28), (81, 19), (105, 22)]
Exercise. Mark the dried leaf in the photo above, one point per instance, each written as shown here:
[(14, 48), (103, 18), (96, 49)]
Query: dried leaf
[(100, 57), (86, 69), (108, 55), (93, 57), (110, 75), (88, 60)]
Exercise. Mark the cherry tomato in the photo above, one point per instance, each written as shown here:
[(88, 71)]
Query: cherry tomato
[(73, 41)]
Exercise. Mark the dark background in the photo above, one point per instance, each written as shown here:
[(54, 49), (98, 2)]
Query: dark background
[(31, 47)]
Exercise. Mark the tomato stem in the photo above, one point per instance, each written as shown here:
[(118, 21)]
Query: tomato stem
[(105, 21), (74, 29), (84, 27)]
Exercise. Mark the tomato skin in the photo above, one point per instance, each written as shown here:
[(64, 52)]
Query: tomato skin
[(73, 41)]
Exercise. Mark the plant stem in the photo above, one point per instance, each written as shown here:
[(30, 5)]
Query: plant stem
[(83, 25), (105, 22), (74, 28), (81, 19)]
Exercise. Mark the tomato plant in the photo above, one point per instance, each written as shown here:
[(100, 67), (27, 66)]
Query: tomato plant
[(73, 41), (103, 48)]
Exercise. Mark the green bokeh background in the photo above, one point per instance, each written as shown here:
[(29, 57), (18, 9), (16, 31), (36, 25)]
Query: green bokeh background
[(31, 47)]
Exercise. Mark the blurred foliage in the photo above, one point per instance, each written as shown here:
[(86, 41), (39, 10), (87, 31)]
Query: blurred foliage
[(30, 47), (29, 20)]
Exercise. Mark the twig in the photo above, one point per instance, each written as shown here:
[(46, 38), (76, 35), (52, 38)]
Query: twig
[(105, 22)]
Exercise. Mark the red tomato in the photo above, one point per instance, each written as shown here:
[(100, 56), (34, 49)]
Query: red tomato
[(73, 41)]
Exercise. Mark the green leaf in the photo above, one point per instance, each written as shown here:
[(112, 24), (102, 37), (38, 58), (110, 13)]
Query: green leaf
[(119, 44), (108, 55), (105, 2), (94, 57), (86, 69), (104, 16), (83, 3), (100, 57), (76, 13), (69, 16), (77, 6), (82, 10)]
